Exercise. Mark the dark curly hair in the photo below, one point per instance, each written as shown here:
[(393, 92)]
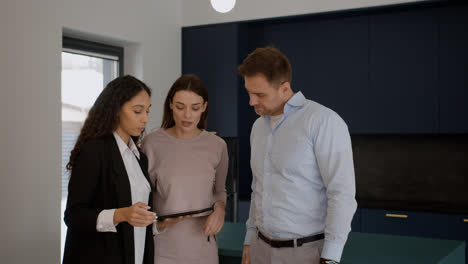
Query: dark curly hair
[(186, 82), (104, 116)]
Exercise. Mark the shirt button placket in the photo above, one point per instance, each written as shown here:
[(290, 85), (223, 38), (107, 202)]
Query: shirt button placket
[(266, 182)]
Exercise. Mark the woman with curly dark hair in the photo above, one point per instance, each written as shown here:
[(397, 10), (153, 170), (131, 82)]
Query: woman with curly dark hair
[(109, 193)]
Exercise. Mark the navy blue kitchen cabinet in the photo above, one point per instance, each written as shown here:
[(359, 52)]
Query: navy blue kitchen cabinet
[(329, 61), (411, 223), (379, 221), (454, 70), (356, 223), (211, 52), (403, 72), (390, 70), (418, 224)]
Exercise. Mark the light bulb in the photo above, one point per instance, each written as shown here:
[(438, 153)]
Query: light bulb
[(223, 6)]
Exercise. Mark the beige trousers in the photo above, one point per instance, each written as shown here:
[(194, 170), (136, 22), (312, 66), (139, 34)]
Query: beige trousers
[(262, 253)]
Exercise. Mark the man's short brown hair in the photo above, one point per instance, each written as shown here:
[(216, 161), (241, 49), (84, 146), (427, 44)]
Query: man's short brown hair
[(268, 61)]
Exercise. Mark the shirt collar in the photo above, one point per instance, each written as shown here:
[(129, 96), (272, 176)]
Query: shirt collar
[(123, 147), (298, 99)]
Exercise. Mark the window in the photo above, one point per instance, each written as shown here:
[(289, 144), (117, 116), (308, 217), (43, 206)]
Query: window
[(87, 67)]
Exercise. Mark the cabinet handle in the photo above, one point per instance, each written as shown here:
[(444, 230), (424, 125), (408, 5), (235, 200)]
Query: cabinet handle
[(465, 220), (399, 216)]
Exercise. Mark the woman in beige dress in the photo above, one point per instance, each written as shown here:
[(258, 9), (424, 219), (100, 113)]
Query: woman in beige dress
[(188, 168)]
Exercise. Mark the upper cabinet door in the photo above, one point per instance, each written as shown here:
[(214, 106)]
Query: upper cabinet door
[(211, 52), (336, 71), (454, 70), (404, 72), (329, 59)]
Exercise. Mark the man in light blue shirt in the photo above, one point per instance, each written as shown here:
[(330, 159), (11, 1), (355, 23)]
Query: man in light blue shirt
[(303, 188)]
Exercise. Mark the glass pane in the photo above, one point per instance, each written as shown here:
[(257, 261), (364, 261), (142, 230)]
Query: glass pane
[(83, 79)]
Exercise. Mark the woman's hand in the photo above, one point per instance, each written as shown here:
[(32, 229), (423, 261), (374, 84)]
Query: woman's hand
[(135, 215), (169, 222), (215, 221)]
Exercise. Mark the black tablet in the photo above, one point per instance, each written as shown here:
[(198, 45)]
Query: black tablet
[(162, 217)]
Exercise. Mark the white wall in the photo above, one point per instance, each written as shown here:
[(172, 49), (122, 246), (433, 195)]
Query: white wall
[(30, 66), (199, 12), (30, 124)]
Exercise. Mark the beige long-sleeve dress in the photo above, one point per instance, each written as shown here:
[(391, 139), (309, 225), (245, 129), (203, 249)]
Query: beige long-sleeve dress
[(189, 174)]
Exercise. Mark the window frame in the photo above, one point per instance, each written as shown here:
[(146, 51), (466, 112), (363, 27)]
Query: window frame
[(93, 49)]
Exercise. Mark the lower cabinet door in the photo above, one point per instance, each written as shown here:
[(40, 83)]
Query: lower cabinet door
[(417, 224), (385, 222), (356, 223)]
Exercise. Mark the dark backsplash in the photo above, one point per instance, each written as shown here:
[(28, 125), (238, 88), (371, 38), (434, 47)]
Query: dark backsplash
[(412, 172)]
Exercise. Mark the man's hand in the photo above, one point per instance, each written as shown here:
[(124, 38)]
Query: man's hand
[(246, 255)]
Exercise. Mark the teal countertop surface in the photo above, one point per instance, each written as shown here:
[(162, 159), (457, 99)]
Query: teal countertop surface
[(366, 248)]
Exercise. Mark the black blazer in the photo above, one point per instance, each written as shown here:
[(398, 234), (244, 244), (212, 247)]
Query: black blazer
[(99, 181)]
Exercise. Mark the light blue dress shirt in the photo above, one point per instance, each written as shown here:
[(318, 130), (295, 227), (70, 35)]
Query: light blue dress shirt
[(303, 176)]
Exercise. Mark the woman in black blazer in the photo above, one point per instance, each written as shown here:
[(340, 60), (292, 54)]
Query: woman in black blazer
[(109, 193)]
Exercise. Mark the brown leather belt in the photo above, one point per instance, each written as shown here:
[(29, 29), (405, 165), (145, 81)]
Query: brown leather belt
[(290, 243)]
